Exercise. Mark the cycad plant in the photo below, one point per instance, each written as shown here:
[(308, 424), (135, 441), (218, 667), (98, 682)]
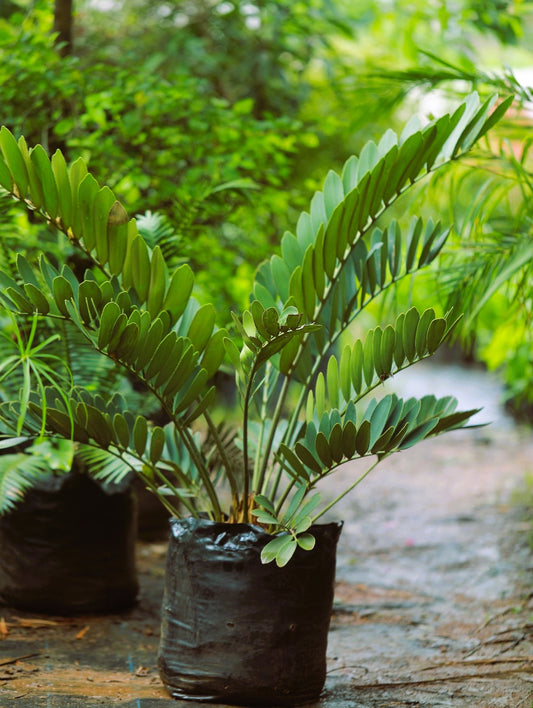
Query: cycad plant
[(304, 397), (36, 354)]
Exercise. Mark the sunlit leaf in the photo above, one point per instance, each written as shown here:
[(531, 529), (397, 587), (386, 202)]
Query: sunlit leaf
[(14, 160), (64, 194), (43, 169)]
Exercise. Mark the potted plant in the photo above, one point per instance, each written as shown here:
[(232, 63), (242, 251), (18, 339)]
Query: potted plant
[(67, 542), (303, 395), (67, 537)]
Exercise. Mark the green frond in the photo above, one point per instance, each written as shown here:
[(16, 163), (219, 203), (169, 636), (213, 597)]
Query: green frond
[(363, 365), (349, 204), (386, 426), (104, 466), (337, 261), (172, 346), (90, 216)]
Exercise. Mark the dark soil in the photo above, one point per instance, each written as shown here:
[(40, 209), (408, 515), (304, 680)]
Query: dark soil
[(433, 602)]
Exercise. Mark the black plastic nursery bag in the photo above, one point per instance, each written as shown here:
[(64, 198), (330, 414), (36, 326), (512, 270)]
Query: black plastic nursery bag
[(69, 547), (237, 631)]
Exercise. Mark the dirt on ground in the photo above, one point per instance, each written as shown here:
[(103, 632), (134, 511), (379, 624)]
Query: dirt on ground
[(433, 606)]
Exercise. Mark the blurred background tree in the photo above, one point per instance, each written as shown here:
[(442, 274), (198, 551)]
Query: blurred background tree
[(62, 27)]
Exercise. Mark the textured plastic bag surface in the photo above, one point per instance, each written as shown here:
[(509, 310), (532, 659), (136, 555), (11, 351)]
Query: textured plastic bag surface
[(236, 631), (69, 547)]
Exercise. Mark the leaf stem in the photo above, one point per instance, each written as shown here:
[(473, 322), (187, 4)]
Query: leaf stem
[(222, 452), (348, 490), (246, 470), (276, 416), (202, 471), (260, 471)]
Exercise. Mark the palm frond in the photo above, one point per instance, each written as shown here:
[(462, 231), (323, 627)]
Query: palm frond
[(434, 72), (104, 466), (18, 473), (157, 230)]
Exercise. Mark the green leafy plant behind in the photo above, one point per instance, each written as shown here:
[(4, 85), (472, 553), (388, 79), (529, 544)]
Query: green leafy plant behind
[(35, 358), (485, 270), (304, 407), (22, 466)]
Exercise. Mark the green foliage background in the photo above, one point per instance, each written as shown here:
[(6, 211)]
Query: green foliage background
[(220, 116)]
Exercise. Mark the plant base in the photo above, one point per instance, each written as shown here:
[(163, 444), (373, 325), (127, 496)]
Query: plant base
[(237, 631)]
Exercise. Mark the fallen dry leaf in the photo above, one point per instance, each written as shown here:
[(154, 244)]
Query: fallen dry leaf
[(38, 622), (82, 632)]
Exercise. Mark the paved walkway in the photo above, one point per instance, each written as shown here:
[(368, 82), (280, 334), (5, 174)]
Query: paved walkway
[(433, 604)]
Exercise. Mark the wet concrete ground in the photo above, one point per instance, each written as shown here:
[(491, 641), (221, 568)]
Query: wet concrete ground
[(434, 584), (433, 601)]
